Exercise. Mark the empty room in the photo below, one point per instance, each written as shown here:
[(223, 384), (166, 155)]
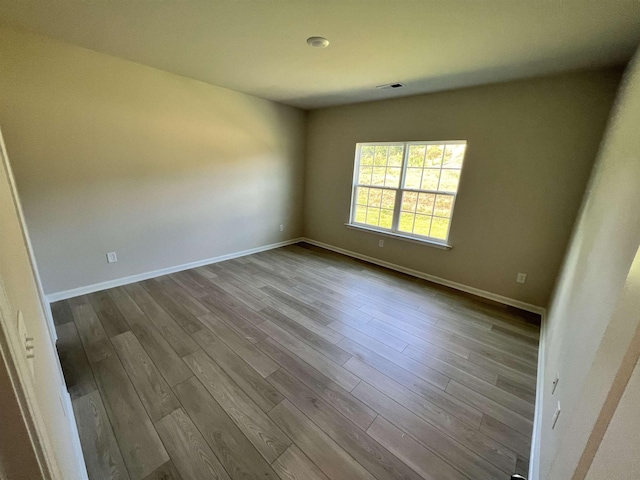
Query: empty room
[(331, 240)]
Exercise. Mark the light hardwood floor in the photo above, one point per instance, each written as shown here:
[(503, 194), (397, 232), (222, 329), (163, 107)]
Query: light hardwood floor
[(298, 363)]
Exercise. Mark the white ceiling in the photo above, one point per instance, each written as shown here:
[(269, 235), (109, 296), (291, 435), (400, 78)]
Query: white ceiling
[(258, 46)]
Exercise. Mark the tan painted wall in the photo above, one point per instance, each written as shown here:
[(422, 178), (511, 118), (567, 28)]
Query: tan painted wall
[(594, 314), (531, 145), (618, 455), (41, 391), (110, 155)]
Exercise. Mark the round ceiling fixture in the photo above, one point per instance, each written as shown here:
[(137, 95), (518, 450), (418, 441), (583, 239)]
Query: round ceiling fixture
[(319, 42)]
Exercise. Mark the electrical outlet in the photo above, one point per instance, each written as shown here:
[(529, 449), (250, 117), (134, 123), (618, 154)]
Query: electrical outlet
[(112, 257), (555, 384), (521, 278), (556, 415), (381, 243), (282, 228)]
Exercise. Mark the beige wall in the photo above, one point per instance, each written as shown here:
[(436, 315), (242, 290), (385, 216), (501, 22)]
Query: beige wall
[(618, 455), (594, 314), (110, 155), (41, 392), (531, 145)]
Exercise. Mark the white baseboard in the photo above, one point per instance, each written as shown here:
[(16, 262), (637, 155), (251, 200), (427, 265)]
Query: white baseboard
[(118, 282), (432, 278), (536, 437)]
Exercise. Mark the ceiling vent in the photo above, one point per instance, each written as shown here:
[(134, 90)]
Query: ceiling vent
[(390, 86)]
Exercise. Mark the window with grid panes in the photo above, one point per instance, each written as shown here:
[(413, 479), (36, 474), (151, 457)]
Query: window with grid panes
[(407, 188)]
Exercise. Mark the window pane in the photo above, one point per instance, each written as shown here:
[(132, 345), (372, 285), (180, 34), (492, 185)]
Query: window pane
[(421, 225), (393, 177), (409, 200), (366, 155), (406, 222), (443, 205), (453, 156), (386, 218), (425, 203), (375, 196), (412, 178), (396, 153), (419, 179), (416, 155), (378, 176), (434, 156), (430, 179), (388, 199), (361, 214), (362, 193), (373, 216), (449, 181), (365, 176), (380, 159), (439, 228)]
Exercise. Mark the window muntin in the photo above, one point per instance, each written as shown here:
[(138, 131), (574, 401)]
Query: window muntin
[(407, 188)]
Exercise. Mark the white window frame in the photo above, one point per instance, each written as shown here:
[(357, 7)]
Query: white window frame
[(393, 232)]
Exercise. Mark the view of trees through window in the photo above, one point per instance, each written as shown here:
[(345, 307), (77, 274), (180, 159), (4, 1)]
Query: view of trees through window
[(407, 188)]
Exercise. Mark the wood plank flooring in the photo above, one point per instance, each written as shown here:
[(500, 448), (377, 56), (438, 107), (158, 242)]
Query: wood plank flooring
[(298, 364)]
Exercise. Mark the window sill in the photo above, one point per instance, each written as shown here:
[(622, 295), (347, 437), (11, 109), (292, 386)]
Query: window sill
[(429, 243)]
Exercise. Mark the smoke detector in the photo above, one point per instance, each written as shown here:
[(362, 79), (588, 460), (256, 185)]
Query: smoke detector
[(318, 42)]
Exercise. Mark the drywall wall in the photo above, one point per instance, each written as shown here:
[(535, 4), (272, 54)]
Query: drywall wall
[(110, 155), (617, 455), (593, 317), (39, 391), (531, 146)]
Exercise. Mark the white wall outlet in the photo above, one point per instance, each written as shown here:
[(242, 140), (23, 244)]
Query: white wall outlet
[(556, 415), (282, 228), (555, 383), (521, 278), (381, 243), (112, 257)]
